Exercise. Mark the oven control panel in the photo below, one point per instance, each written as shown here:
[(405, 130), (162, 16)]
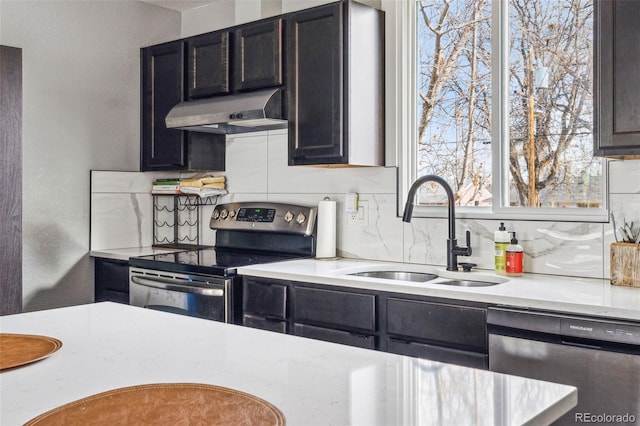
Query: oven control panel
[(269, 217)]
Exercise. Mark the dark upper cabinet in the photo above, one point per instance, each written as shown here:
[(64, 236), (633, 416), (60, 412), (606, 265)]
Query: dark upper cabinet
[(258, 55), (617, 92), (208, 65), (335, 91), (162, 89), (243, 58)]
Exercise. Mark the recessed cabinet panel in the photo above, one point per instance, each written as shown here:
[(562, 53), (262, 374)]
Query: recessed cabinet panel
[(335, 336), (435, 322), (264, 298), (162, 89), (111, 280), (438, 353), (315, 86), (208, 65), (335, 85), (258, 60), (264, 323), (350, 311), (617, 92)]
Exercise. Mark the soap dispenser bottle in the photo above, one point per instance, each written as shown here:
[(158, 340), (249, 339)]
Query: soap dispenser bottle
[(501, 240), (514, 265)]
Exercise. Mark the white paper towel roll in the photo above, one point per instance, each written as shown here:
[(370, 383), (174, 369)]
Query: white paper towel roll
[(326, 244)]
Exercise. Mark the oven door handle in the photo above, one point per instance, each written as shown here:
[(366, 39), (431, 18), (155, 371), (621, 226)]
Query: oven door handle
[(177, 285)]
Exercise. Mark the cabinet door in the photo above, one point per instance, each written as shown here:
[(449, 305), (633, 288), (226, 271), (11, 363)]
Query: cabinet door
[(315, 86), (162, 89), (343, 310), (617, 59), (335, 336), (111, 280), (438, 353), (264, 298), (208, 65), (257, 55), (459, 326), (264, 323)]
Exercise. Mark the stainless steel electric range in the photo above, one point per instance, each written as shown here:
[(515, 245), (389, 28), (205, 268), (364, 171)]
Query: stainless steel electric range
[(204, 282)]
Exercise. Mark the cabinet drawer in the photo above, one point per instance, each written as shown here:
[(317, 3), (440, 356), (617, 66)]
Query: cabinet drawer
[(264, 323), (335, 308), (264, 298), (335, 336), (112, 275), (457, 325), (439, 353)]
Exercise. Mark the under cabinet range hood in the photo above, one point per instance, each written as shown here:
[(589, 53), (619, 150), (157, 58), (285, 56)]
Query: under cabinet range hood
[(239, 113)]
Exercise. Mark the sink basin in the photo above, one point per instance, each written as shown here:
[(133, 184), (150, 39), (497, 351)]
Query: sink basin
[(467, 283), (398, 275)]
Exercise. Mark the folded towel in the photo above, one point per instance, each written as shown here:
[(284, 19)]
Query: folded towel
[(202, 192), (199, 182)]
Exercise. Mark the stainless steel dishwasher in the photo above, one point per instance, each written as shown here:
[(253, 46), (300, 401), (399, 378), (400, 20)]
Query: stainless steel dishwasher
[(601, 357)]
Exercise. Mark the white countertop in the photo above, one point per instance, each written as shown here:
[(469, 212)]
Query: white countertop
[(126, 253), (582, 296), (108, 346)]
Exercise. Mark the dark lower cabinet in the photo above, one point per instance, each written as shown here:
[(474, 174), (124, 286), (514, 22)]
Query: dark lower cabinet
[(344, 310), (269, 324), (617, 92), (438, 353), (264, 304), (437, 329), (453, 325), (111, 280), (335, 336), (344, 317)]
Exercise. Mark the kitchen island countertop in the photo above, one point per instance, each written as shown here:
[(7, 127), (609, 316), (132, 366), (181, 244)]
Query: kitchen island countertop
[(108, 346)]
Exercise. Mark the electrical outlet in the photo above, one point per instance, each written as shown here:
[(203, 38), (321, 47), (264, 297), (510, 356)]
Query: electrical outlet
[(362, 216)]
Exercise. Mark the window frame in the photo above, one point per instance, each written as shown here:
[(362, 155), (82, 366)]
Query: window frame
[(406, 14)]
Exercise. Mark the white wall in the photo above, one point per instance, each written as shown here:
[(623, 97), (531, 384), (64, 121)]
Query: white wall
[(81, 112)]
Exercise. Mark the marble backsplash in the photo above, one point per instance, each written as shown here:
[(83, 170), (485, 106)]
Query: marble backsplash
[(121, 212)]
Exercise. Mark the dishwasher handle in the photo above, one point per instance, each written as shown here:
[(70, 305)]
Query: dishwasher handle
[(569, 327), (172, 284)]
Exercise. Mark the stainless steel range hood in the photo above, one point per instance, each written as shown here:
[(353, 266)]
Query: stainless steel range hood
[(239, 113)]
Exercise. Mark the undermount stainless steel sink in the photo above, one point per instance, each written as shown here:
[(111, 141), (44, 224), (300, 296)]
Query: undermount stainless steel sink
[(398, 275), (425, 276)]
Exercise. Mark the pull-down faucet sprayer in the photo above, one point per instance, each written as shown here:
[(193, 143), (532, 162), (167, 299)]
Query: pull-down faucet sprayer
[(453, 250)]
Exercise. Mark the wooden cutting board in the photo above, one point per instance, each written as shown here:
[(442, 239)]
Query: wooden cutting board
[(166, 404), (21, 349)]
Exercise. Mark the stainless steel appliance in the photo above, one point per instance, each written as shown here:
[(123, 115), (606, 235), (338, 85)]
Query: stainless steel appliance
[(601, 357), (204, 282)]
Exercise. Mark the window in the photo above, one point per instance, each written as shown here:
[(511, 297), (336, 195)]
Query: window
[(504, 107)]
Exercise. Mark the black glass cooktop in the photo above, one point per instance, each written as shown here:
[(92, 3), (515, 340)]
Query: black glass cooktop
[(211, 261)]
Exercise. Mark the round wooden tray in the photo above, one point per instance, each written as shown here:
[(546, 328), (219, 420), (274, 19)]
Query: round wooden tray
[(166, 404), (21, 349)]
